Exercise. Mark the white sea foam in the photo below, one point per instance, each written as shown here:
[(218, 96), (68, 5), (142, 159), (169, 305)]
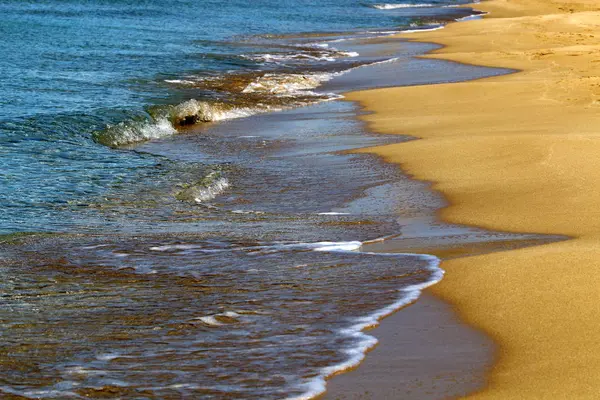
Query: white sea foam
[(471, 17), (108, 356), (180, 81), (389, 60), (362, 341), (321, 53), (211, 191), (365, 342), (213, 320), (388, 6), (81, 370), (316, 246), (230, 314), (333, 213), (191, 386), (337, 246), (435, 28), (376, 34), (321, 45), (288, 84), (278, 58), (247, 212), (166, 120), (210, 320)]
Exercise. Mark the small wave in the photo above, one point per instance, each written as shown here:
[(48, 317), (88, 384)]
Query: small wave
[(128, 132), (388, 6), (210, 320), (333, 247), (205, 190), (435, 28), (212, 190), (247, 212), (249, 95), (180, 81), (174, 247), (193, 111), (312, 56), (165, 120), (108, 356), (287, 84), (324, 246), (227, 317)]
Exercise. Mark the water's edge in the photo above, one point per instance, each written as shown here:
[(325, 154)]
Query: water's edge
[(420, 230)]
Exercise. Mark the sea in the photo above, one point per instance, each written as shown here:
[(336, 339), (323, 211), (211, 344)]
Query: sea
[(180, 212)]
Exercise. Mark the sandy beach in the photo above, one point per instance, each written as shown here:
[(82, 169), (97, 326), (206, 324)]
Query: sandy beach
[(185, 213), (516, 153)]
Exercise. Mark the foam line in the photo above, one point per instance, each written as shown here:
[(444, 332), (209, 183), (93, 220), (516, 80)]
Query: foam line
[(409, 294)]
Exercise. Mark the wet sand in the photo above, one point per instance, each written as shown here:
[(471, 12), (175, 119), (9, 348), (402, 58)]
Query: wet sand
[(428, 351), (515, 153)]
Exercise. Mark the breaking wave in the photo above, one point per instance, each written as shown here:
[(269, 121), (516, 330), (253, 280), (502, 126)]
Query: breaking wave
[(164, 121), (129, 132), (249, 95), (204, 190)]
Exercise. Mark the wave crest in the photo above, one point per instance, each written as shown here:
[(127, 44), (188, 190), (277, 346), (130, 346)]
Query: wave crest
[(193, 111), (128, 132), (165, 120), (205, 189)]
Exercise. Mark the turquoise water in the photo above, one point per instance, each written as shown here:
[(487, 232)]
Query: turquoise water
[(86, 56), (203, 223), (70, 68)]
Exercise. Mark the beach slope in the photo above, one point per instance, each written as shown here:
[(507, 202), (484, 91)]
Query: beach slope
[(518, 153)]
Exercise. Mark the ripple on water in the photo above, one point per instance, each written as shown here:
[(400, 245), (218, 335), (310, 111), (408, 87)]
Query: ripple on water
[(247, 319)]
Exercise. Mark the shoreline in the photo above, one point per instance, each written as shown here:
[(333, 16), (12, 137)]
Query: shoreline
[(433, 355), (518, 160), (462, 251)]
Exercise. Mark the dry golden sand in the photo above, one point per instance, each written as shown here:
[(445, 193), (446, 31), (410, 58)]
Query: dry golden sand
[(517, 153)]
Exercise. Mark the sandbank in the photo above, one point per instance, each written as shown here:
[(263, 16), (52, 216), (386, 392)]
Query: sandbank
[(516, 153)]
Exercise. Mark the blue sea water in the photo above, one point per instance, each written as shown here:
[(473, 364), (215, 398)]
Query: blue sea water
[(85, 56), (69, 68), (203, 224)]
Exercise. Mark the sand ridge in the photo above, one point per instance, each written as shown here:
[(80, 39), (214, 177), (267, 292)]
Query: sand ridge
[(519, 153)]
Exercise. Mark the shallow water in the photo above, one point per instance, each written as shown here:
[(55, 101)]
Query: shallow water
[(259, 292), (124, 72), (195, 242), (196, 317)]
